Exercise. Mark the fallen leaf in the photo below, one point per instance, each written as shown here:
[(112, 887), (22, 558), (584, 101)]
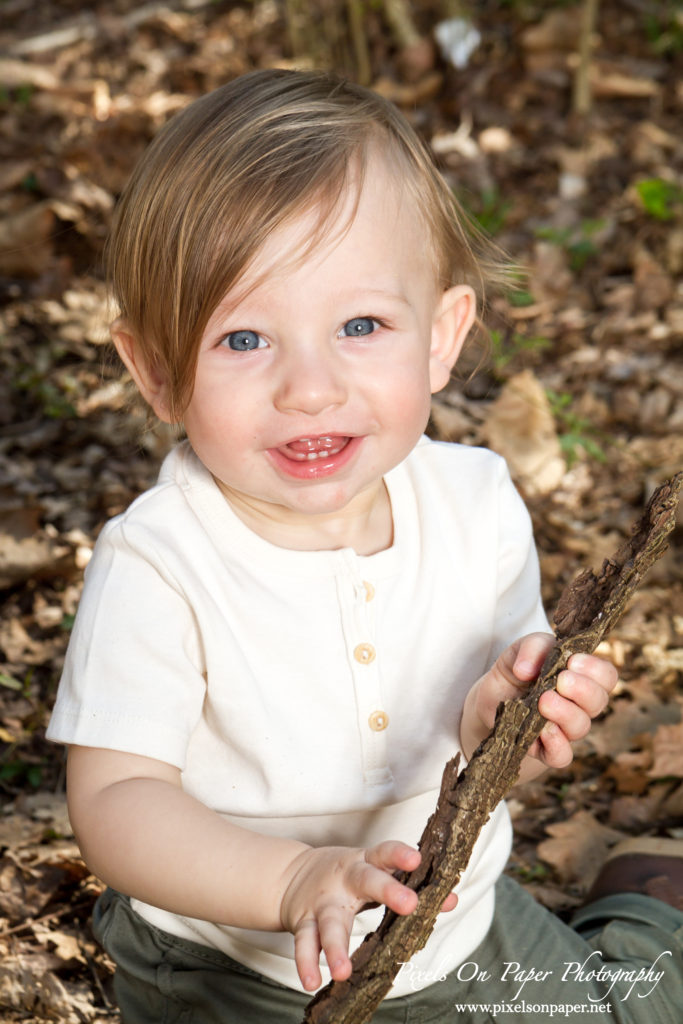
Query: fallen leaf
[(520, 426), (26, 248), (16, 830), (637, 813), (640, 711), (667, 748), (557, 30), (577, 848), (65, 947), (628, 771), (618, 84)]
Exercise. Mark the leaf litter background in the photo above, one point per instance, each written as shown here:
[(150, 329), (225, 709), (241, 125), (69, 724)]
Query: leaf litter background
[(582, 390)]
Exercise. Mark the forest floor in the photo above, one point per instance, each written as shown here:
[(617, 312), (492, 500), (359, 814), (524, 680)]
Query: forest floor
[(582, 389)]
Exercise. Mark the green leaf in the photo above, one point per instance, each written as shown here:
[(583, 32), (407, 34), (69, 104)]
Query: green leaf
[(10, 682)]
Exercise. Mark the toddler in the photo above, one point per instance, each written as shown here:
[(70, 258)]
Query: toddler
[(281, 644)]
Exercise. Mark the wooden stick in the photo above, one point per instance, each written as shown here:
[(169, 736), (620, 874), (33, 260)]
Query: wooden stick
[(582, 96), (356, 15), (586, 612)]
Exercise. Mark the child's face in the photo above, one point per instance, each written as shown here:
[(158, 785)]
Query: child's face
[(314, 376)]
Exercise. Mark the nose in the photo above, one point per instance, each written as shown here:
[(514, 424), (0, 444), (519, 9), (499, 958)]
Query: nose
[(311, 380)]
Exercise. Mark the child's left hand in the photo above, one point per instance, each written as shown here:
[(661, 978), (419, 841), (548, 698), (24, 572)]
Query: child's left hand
[(580, 695)]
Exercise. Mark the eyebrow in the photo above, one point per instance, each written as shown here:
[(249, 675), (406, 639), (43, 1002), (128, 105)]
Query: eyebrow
[(381, 293)]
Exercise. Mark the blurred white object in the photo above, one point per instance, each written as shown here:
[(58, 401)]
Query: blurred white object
[(457, 39)]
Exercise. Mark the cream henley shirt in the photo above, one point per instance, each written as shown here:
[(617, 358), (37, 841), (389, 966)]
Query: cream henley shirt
[(309, 694)]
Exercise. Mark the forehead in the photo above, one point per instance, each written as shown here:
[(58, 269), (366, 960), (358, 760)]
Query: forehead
[(374, 214)]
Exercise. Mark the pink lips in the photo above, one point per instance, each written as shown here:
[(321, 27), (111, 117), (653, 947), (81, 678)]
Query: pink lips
[(308, 458)]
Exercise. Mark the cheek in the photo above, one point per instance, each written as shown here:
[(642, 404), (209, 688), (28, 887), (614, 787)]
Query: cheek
[(408, 391)]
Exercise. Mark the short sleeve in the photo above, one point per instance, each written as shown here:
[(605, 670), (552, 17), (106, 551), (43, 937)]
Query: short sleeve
[(133, 678)]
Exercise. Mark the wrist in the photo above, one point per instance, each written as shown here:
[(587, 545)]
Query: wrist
[(473, 729), (289, 880)]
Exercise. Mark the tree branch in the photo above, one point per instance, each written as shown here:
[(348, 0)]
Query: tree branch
[(586, 612)]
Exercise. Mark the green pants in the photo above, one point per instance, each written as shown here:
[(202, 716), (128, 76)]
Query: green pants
[(620, 962)]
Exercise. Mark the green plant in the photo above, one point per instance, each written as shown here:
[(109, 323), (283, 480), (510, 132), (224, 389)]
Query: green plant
[(659, 197), (520, 297), (30, 182), (489, 209), (10, 682), (532, 873), (504, 348), (53, 400), (20, 772), (578, 242), (664, 27), (20, 95), (575, 432)]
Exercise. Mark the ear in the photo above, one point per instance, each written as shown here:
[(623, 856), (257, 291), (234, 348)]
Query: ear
[(149, 381), (453, 318)]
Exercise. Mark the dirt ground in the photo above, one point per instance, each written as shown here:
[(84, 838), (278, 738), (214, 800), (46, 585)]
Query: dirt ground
[(581, 390)]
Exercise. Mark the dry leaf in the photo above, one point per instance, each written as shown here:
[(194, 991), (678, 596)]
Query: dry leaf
[(654, 287), (451, 424), (628, 771), (667, 748), (636, 813), (557, 30), (609, 84), (66, 948), (26, 557), (16, 830), (520, 426), (630, 717), (577, 848), (26, 248)]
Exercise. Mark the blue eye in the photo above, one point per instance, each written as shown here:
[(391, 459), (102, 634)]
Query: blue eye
[(242, 341), (358, 327)]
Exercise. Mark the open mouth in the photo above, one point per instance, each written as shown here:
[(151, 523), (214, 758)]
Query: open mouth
[(308, 449), (310, 458)]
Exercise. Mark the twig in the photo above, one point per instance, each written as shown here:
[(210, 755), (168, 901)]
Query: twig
[(586, 612), (397, 13), (87, 26), (582, 97), (359, 40), (53, 915)]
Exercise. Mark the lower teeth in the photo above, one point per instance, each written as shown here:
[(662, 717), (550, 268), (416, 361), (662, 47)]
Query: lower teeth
[(321, 455)]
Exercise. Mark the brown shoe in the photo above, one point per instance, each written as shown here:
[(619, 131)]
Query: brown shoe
[(646, 865)]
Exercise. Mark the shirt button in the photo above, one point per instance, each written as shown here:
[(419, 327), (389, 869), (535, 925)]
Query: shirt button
[(364, 653), (378, 720), (369, 590)]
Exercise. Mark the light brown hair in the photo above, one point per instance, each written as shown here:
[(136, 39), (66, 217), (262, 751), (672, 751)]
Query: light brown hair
[(236, 164)]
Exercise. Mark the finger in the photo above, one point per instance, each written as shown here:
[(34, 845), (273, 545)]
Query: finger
[(370, 884), (380, 885), (449, 903), (530, 656), (334, 938), (602, 672), (554, 749), (582, 691), (393, 855), (307, 954), (568, 716)]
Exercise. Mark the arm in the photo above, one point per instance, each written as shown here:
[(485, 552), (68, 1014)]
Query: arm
[(141, 833), (581, 694)]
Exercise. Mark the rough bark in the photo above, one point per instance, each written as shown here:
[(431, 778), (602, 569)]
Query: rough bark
[(586, 612)]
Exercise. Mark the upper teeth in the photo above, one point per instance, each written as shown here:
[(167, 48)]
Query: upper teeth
[(324, 448), (319, 440)]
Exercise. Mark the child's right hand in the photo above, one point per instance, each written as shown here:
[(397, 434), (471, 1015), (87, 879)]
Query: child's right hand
[(328, 887)]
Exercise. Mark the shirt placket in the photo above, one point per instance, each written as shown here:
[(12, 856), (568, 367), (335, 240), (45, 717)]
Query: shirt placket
[(357, 602)]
